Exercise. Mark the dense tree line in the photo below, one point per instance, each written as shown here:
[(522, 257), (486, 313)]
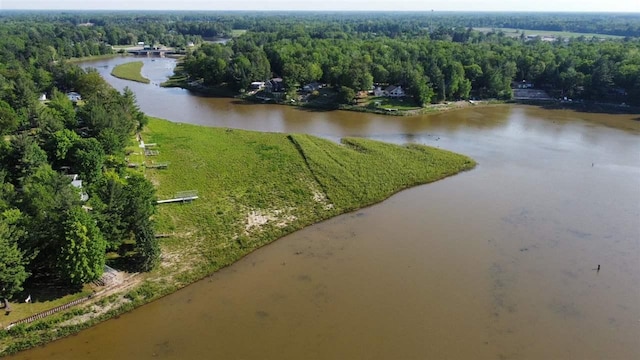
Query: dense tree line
[(448, 64), (48, 231)]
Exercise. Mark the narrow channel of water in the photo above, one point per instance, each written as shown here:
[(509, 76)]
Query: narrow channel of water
[(495, 263)]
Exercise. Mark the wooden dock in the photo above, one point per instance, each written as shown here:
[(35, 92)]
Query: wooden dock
[(182, 196), (157, 165), (181, 199)]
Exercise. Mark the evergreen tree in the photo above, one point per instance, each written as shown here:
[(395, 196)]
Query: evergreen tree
[(81, 258)]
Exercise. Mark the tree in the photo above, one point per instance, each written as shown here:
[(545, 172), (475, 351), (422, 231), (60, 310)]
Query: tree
[(140, 207), (141, 200), (63, 105), (147, 248), (91, 84), (46, 197), (8, 118), (81, 258), (346, 95), (59, 144), (419, 90), (110, 203), (88, 159), (12, 269), (23, 157)]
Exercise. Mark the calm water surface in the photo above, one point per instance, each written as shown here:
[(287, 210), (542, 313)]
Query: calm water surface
[(495, 263)]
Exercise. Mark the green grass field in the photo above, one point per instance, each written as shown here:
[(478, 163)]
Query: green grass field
[(564, 34), (130, 71), (400, 104)]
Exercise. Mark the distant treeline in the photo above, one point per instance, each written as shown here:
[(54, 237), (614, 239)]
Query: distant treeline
[(434, 66)]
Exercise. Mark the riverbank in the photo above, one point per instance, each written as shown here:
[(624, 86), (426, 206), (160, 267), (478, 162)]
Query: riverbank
[(130, 71), (253, 188)]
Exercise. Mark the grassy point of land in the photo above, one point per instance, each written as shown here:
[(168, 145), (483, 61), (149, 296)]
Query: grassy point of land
[(130, 71), (256, 187)]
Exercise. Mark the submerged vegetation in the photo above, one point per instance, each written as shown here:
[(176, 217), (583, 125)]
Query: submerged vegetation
[(130, 71)]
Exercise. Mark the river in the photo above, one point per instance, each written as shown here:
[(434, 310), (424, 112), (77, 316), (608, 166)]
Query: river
[(495, 263)]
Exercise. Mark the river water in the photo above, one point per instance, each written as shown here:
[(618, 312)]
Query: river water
[(495, 263)]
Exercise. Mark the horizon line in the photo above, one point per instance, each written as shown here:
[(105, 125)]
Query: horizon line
[(344, 10)]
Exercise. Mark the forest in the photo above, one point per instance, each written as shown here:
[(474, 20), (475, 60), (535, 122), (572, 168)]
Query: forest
[(434, 65), (53, 231), (56, 233)]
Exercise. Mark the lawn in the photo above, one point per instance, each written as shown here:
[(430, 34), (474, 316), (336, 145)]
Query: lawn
[(399, 104), (130, 71)]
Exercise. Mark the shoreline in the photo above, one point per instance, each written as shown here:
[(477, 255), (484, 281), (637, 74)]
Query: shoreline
[(179, 273), (582, 106)]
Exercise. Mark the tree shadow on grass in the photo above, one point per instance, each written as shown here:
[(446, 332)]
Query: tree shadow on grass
[(127, 264), (45, 290)]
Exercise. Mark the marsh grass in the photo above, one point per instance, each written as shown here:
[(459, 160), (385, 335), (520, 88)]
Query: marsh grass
[(130, 71)]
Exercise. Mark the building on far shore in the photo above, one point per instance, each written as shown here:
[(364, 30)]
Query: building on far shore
[(274, 85), (256, 85), (74, 96), (389, 91)]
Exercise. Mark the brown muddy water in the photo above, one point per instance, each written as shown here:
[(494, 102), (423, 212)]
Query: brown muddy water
[(494, 263)]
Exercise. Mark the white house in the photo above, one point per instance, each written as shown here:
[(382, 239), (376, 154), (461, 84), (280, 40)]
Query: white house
[(77, 183), (43, 97), (74, 96), (257, 85), (377, 91), (389, 91), (394, 91)]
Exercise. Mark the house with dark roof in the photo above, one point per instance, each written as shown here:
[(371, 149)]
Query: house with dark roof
[(274, 85)]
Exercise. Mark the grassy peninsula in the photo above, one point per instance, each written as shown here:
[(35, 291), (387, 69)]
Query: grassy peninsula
[(130, 71), (253, 188), (256, 187)]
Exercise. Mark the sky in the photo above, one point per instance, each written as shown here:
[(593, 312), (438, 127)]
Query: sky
[(344, 5)]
